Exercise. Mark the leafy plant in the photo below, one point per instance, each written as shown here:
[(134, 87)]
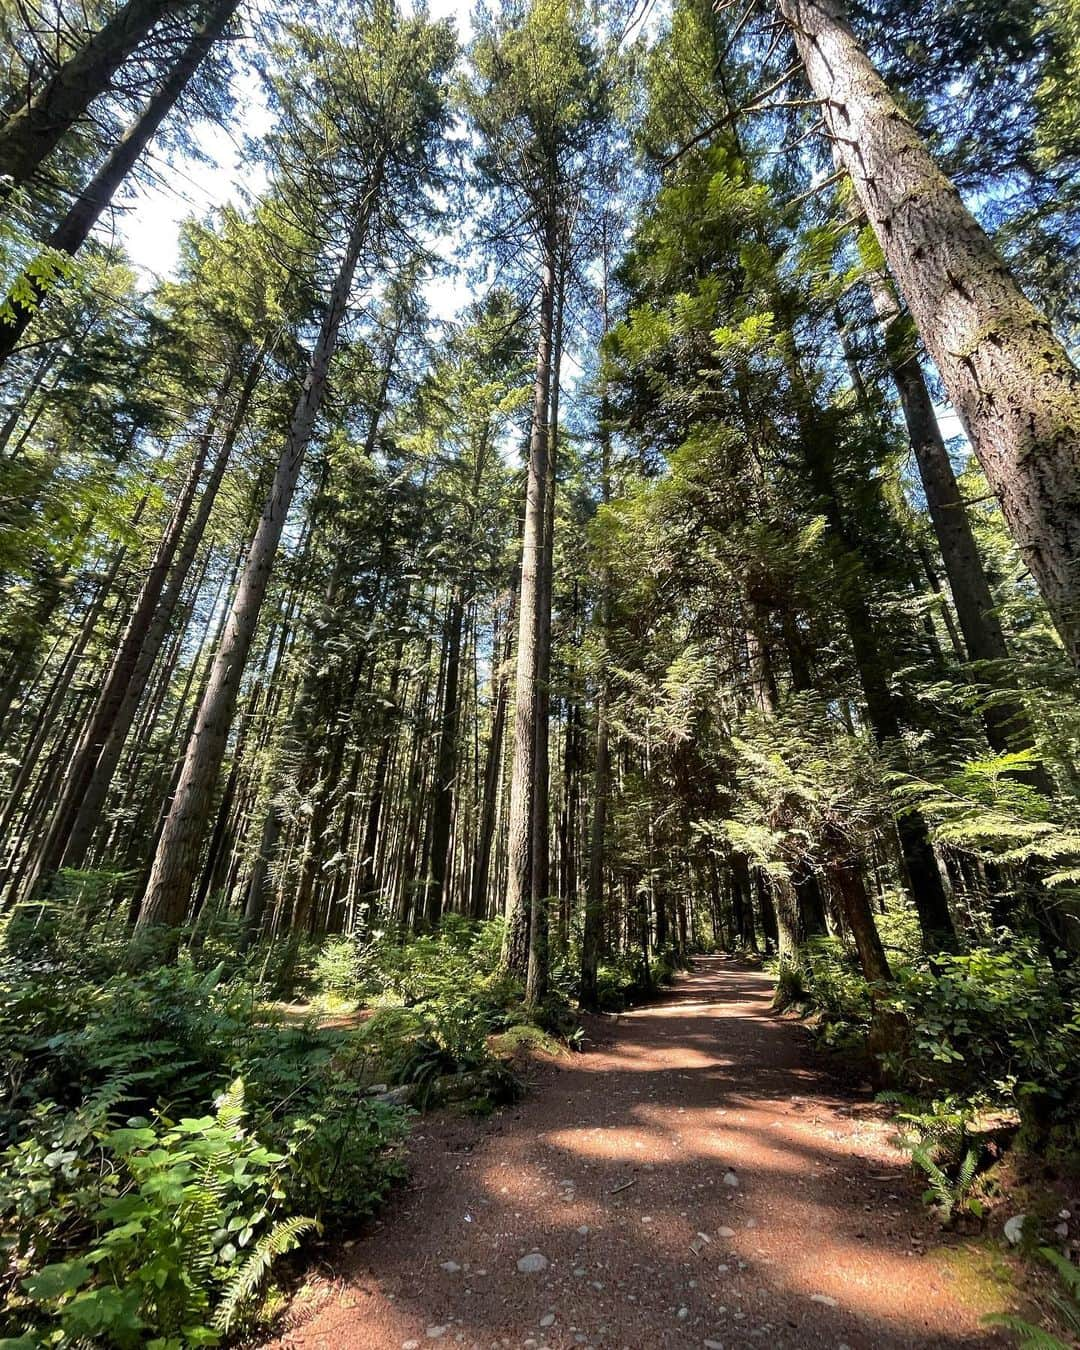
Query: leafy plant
[(1066, 1306), (166, 1235)]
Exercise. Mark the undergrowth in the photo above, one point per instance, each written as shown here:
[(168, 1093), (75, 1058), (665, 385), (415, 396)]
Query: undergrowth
[(168, 1131)]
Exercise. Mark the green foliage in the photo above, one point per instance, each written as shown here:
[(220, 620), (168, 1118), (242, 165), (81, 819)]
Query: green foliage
[(143, 1198), (1065, 1305), (834, 985), (995, 1022), (164, 1231), (939, 1141)]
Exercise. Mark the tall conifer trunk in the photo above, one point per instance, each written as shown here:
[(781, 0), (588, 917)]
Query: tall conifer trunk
[(30, 135), (84, 213), (492, 766), (523, 784), (81, 769), (176, 862), (1009, 378), (90, 809), (537, 978)]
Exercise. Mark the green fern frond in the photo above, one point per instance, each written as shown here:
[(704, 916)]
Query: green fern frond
[(1070, 1274), (282, 1238), (1031, 1337)]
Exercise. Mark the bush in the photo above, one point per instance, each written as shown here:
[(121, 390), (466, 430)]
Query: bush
[(997, 1023), (132, 1208), (155, 1229)]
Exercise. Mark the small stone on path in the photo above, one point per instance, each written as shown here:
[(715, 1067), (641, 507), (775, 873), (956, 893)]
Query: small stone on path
[(532, 1263)]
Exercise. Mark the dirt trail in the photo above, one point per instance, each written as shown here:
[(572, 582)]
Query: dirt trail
[(694, 1182)]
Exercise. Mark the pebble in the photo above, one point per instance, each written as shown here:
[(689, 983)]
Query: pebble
[(1014, 1228), (730, 1179), (435, 1332), (451, 1267), (683, 1314), (548, 1320), (410, 1345), (584, 1230), (532, 1263), (823, 1298), (725, 1232), (714, 1345)]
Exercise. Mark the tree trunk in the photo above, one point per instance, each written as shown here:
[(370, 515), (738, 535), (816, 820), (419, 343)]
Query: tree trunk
[(539, 956), (84, 213), (176, 862), (93, 803), (118, 681), (1008, 377), (523, 785), (1007, 726), (29, 136), (850, 890), (492, 766), (871, 660), (445, 766)]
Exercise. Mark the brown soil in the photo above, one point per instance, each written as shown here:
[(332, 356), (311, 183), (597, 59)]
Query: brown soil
[(620, 1168)]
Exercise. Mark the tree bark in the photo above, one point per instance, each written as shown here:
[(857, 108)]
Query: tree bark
[(1008, 377), (93, 802), (536, 983), (492, 766), (523, 784), (118, 681), (1007, 726), (445, 766)]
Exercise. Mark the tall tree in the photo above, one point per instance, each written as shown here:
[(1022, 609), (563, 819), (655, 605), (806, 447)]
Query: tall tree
[(32, 132), (73, 231), (1008, 376), (371, 145), (532, 99)]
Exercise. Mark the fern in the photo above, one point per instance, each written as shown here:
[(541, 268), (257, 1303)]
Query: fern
[(1066, 1307), (283, 1237), (1030, 1337)]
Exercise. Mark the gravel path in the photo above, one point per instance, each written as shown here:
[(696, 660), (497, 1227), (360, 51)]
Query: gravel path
[(695, 1181)]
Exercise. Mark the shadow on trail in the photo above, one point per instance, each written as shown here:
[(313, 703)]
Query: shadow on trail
[(694, 1179)]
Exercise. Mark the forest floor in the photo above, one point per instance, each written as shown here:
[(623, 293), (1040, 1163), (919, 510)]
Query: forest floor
[(696, 1179)]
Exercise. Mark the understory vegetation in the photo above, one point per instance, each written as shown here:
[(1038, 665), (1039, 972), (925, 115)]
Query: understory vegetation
[(169, 1132)]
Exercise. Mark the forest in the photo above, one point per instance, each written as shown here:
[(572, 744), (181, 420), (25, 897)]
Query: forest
[(597, 500)]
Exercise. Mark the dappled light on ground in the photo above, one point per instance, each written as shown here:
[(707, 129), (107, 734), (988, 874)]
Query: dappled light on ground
[(693, 1181)]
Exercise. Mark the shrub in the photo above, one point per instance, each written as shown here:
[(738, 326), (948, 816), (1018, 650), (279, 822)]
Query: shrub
[(121, 1205), (995, 1022), (154, 1230)]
